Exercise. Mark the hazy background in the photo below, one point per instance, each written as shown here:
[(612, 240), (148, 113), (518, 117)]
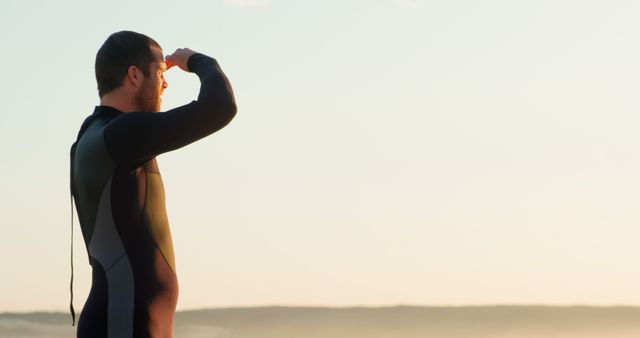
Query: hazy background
[(384, 152)]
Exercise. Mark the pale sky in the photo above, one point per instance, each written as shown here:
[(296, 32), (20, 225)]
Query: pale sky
[(384, 152)]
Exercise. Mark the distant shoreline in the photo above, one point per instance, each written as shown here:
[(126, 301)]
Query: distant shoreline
[(363, 307)]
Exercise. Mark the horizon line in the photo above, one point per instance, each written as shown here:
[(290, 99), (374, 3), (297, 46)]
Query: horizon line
[(337, 307)]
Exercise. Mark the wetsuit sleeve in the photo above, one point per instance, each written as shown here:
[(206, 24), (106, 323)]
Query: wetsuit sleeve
[(143, 135)]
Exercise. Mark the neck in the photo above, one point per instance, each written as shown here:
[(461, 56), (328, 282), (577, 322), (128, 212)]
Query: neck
[(118, 102)]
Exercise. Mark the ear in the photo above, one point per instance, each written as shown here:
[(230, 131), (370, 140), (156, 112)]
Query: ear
[(135, 76)]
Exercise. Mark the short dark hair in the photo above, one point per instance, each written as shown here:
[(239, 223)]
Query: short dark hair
[(121, 50)]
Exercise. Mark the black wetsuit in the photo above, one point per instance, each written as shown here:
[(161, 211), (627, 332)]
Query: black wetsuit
[(120, 201)]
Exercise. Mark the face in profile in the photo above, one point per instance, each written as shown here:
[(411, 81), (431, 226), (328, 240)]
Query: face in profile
[(148, 99)]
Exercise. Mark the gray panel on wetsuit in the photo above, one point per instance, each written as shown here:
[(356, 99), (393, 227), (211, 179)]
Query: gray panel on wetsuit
[(91, 177), (107, 247)]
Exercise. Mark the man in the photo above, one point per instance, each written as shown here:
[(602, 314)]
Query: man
[(118, 189)]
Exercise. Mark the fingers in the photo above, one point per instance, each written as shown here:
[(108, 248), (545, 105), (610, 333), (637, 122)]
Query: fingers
[(170, 62), (181, 51), (179, 58)]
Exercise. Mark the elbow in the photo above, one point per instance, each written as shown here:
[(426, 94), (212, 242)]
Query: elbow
[(230, 111), (225, 113), (216, 114)]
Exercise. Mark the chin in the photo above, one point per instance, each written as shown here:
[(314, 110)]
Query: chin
[(149, 101)]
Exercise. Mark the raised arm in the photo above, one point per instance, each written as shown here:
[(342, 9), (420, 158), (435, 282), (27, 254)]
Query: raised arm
[(138, 136)]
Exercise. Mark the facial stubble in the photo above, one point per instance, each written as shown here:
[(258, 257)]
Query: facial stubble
[(148, 99)]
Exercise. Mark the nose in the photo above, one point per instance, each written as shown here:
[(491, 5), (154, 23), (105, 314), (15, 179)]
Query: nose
[(164, 82)]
